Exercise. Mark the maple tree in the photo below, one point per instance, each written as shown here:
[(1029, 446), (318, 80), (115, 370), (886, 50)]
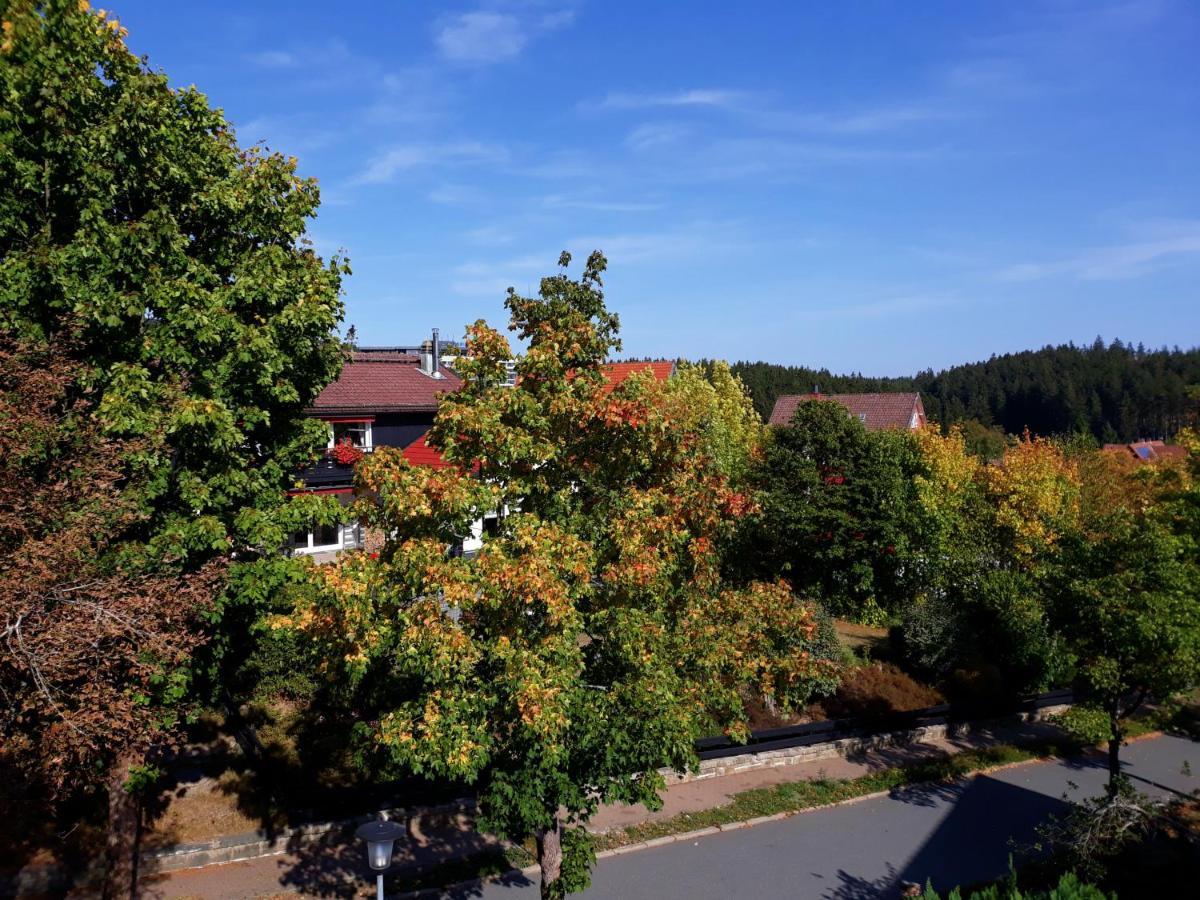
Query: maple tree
[(591, 639), (94, 658), (177, 261), (1034, 489)]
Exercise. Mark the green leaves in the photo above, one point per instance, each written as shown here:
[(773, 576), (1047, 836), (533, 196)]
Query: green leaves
[(591, 638)]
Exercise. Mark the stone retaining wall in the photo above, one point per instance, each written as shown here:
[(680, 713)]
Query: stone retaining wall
[(848, 746)]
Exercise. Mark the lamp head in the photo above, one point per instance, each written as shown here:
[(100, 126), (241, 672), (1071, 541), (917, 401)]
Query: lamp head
[(380, 837)]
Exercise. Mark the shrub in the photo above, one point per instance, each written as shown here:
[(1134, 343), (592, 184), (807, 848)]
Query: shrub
[(1069, 887), (877, 689)]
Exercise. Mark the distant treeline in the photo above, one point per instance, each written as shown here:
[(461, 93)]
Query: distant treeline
[(1115, 392)]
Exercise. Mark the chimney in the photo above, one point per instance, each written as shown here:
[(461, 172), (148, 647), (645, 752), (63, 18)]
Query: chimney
[(437, 355), (427, 357)]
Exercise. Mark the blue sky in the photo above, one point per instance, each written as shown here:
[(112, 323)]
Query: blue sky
[(868, 186)]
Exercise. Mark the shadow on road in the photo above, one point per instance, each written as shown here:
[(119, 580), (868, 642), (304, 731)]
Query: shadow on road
[(974, 837)]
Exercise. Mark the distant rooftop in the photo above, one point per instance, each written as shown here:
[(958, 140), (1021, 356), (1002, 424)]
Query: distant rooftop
[(875, 411)]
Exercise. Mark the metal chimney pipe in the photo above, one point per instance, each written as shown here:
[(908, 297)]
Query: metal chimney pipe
[(437, 355)]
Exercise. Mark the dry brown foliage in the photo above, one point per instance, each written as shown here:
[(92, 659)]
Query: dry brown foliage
[(86, 645)]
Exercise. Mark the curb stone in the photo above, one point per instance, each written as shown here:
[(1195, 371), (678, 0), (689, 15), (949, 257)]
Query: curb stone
[(236, 848), (682, 836)]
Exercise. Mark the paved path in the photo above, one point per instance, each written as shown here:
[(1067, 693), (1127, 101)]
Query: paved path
[(694, 796), (949, 833)]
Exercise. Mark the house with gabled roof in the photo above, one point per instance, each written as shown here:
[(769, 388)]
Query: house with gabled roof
[(388, 397), (877, 412), (384, 397)]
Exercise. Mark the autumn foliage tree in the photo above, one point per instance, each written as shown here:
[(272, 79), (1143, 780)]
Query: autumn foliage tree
[(591, 640), (94, 656), (174, 264)]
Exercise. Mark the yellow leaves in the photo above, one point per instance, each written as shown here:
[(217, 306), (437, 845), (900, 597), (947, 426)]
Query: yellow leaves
[(1035, 489), (6, 36), (951, 468)]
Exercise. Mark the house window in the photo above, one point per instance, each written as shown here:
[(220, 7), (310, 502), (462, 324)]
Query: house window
[(862, 417), (358, 433), (327, 538)]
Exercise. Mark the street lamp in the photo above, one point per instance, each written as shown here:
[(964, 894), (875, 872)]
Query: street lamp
[(380, 836)]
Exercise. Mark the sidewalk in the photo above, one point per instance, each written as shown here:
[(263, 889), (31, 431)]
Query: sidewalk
[(339, 870)]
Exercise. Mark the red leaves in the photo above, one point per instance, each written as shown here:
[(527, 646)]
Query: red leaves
[(345, 453)]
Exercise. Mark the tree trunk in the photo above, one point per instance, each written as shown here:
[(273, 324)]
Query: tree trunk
[(120, 877), (1114, 751), (549, 849), (770, 705)]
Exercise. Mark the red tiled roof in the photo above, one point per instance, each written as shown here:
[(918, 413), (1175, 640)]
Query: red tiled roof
[(1149, 451), (394, 384), (618, 372), (419, 453), (875, 411)]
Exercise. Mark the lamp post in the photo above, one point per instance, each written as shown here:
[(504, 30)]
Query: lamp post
[(380, 837)]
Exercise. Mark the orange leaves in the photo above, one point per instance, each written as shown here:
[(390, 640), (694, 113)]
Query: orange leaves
[(542, 565)]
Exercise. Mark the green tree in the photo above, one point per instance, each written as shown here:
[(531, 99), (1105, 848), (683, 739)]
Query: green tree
[(171, 264), (1124, 605), (591, 640), (980, 617), (840, 514)]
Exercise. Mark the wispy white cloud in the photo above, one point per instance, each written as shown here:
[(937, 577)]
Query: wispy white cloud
[(456, 195), (484, 279), (712, 97), (762, 111), (273, 59), (415, 95), (877, 309), (1161, 245), (655, 134), (298, 134), (497, 34), (481, 37), (562, 201), (390, 163), (854, 122), (492, 234)]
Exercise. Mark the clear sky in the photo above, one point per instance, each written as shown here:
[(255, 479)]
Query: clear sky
[(869, 186)]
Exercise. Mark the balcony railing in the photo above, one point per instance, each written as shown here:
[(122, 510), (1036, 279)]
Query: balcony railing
[(327, 472)]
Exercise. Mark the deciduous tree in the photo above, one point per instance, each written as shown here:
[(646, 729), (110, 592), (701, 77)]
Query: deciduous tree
[(178, 262), (175, 265), (840, 515), (591, 640), (93, 664)]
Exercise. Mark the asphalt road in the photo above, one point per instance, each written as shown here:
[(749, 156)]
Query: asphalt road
[(951, 834)]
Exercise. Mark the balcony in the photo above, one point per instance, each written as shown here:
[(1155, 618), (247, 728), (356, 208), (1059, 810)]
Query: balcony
[(328, 473)]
